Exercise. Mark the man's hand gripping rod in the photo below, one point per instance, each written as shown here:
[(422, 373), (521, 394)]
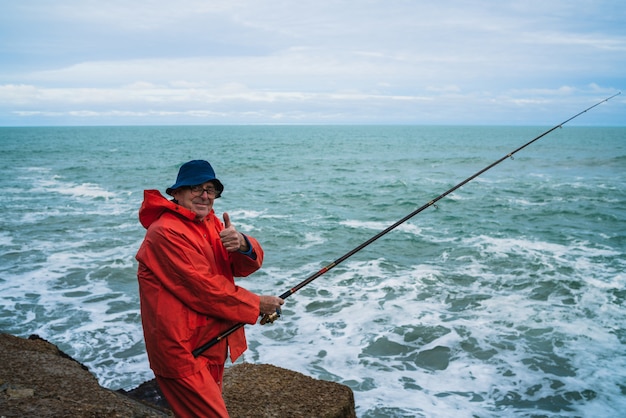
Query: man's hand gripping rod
[(272, 317)]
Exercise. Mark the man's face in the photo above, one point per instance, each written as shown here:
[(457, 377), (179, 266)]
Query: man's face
[(199, 199)]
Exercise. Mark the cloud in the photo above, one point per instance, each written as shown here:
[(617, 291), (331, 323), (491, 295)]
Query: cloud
[(345, 61), (239, 104)]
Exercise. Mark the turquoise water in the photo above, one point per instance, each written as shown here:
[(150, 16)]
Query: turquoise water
[(507, 299)]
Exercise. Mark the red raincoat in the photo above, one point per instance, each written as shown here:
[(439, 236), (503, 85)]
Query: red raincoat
[(187, 288)]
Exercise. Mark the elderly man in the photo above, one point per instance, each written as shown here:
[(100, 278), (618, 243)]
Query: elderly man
[(187, 264)]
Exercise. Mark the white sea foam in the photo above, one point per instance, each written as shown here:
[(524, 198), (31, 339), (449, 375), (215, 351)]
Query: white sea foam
[(5, 239), (379, 226), (56, 184), (368, 314), (311, 239)]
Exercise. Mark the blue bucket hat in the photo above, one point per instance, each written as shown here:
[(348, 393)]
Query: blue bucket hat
[(193, 173)]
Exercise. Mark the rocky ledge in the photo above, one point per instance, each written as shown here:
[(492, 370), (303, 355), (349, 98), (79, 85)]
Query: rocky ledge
[(39, 380)]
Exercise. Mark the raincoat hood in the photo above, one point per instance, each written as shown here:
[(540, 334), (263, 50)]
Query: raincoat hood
[(155, 204)]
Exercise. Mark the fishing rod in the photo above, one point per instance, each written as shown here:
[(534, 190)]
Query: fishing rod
[(271, 318)]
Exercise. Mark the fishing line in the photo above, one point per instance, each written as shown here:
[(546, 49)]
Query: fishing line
[(271, 318)]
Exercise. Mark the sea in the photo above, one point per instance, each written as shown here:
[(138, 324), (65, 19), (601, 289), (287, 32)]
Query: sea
[(505, 298)]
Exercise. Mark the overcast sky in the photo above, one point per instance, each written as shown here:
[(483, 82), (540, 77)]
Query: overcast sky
[(148, 62)]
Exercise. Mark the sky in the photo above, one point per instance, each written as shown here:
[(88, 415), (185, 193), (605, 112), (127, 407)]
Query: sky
[(205, 62)]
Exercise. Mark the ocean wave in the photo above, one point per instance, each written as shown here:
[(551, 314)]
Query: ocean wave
[(508, 300), (380, 226)]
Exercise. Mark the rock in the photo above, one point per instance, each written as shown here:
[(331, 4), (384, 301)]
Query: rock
[(37, 379), (41, 381), (264, 390), (13, 393), (148, 392)]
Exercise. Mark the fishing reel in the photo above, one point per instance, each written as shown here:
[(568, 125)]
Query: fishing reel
[(270, 318)]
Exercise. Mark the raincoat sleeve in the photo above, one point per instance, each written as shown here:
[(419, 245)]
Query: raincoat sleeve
[(187, 269), (245, 264)]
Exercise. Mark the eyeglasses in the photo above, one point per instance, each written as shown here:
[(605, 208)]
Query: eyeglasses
[(198, 190)]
